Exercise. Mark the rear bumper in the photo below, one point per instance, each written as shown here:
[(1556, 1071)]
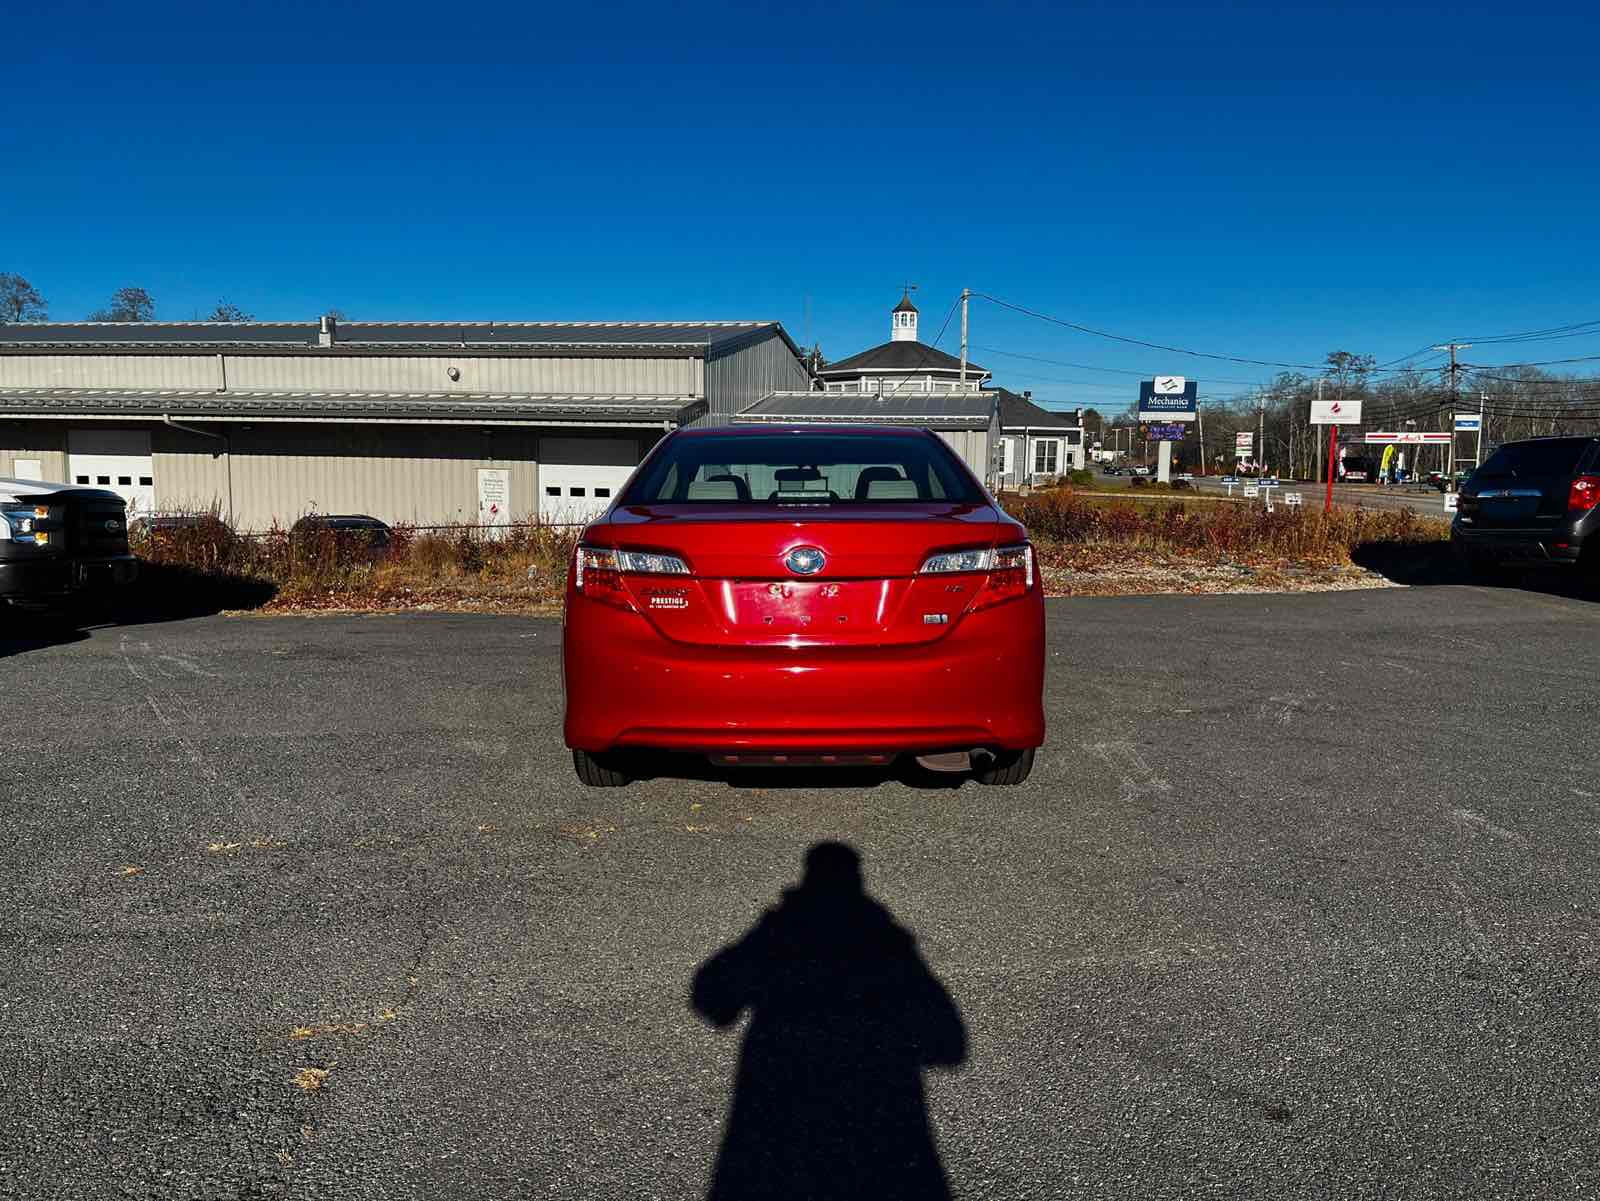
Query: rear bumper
[(979, 686), (1557, 546), (52, 577)]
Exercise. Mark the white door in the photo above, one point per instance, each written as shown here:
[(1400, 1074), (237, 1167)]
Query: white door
[(573, 494), (116, 459)]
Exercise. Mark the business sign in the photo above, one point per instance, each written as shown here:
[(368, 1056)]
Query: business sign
[(1452, 502), (1162, 433), (1244, 440), (1408, 438), (1335, 412), (1471, 422), (1168, 398)]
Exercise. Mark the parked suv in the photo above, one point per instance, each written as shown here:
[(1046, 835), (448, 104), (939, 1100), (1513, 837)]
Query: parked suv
[(59, 542), (1536, 501)]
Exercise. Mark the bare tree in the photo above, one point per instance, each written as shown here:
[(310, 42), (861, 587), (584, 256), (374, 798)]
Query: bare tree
[(336, 314), (20, 300), (127, 304), (226, 310)]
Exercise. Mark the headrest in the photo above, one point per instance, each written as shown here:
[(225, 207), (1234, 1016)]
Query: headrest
[(891, 490), (713, 490)]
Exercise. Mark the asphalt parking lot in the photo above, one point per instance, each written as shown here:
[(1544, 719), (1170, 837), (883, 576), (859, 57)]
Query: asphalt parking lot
[(1303, 900)]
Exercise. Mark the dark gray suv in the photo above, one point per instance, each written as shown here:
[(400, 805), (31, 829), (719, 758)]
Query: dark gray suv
[(1532, 502)]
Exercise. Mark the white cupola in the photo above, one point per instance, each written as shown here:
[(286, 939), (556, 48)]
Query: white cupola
[(903, 322)]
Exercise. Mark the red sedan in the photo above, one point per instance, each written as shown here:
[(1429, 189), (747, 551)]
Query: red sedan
[(804, 595)]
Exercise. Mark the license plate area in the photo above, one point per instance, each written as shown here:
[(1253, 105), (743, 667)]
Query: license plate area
[(808, 606)]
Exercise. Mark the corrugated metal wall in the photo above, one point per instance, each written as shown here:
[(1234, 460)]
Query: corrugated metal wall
[(419, 474), (34, 440), (361, 373), (278, 472), (974, 448), (746, 374)]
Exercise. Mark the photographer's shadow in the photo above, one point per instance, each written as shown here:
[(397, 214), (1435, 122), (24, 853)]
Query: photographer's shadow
[(845, 1016)]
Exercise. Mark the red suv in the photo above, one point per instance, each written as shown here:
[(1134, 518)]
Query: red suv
[(804, 595)]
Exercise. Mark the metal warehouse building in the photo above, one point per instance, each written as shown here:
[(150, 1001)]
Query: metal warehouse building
[(430, 422)]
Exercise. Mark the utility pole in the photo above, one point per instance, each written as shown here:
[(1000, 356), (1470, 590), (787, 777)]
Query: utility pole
[(1318, 440), (1455, 400), (1199, 416), (1261, 437), (966, 294)]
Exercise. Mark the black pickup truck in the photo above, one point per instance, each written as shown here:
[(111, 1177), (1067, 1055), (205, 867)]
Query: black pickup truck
[(1532, 502), (60, 543)]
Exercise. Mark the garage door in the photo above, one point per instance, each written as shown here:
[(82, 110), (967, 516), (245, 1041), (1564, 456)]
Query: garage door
[(570, 494), (115, 459)]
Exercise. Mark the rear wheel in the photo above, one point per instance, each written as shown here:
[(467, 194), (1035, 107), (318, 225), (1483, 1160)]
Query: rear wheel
[(1008, 767), (599, 771)]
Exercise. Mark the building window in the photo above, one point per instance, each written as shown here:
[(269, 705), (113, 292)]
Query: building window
[(1046, 455), (1007, 457)]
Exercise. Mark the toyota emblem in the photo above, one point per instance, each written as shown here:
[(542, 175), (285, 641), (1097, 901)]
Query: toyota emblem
[(805, 560), (113, 525)]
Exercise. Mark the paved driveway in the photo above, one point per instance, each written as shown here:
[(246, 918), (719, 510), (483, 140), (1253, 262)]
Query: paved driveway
[(1303, 900)]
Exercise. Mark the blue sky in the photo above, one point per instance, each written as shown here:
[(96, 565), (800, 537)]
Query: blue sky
[(1269, 181)]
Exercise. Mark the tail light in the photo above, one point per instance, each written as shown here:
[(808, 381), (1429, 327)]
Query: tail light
[(1584, 495), (597, 571), (1009, 571)]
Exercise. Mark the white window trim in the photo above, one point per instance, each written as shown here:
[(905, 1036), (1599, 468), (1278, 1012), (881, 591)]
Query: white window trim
[(1039, 447)]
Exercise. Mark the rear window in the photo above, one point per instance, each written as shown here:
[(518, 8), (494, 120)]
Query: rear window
[(1557, 456), (803, 469)]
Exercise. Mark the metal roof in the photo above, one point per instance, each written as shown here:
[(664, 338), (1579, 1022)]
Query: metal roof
[(1019, 413), (901, 356), (936, 410), (201, 403), (710, 335)]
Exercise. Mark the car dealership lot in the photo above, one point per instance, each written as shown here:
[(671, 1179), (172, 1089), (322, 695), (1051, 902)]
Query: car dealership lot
[(1303, 899)]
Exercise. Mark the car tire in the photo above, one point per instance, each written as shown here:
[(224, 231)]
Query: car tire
[(1006, 768), (599, 771)]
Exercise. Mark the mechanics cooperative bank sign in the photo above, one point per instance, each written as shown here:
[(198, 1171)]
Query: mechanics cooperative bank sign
[(1168, 398)]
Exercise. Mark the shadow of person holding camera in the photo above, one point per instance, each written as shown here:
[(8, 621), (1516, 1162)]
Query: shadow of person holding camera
[(844, 1018)]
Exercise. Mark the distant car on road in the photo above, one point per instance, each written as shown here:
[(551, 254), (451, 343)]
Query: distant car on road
[(1533, 502)]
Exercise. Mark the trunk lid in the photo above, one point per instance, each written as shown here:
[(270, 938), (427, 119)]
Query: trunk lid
[(741, 591)]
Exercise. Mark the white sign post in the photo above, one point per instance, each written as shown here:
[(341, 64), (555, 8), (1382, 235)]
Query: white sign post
[(1334, 413)]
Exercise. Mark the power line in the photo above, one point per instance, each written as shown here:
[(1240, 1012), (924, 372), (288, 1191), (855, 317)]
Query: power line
[(1100, 333), (1577, 329), (1200, 354), (1141, 373)]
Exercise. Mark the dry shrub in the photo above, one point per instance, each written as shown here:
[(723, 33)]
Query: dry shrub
[(1216, 529), (520, 564)]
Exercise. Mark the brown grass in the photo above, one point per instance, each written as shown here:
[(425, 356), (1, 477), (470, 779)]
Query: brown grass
[(520, 566), (1062, 521), (311, 1080)]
